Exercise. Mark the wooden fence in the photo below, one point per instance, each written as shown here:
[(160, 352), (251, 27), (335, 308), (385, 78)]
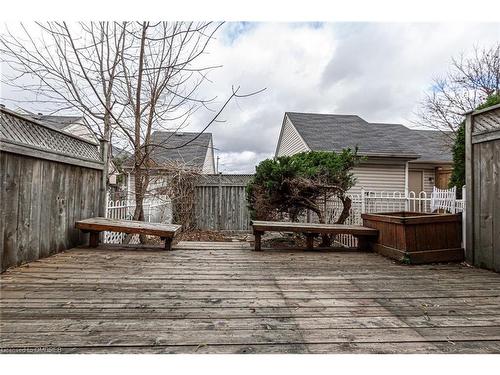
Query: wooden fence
[(483, 188), (48, 180), (221, 203)]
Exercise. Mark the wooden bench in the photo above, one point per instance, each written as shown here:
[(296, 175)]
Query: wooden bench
[(98, 224), (363, 234)]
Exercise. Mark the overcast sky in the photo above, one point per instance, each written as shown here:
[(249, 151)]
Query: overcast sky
[(377, 71)]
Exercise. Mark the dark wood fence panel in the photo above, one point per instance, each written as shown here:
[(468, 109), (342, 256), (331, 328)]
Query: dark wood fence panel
[(483, 188), (48, 180), (221, 203), (41, 200)]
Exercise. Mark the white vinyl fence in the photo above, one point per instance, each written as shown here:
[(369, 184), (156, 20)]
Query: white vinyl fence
[(156, 210), (370, 201), (159, 210)]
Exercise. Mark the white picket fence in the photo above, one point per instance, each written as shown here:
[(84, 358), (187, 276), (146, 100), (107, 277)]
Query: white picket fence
[(156, 210), (159, 210), (370, 201)]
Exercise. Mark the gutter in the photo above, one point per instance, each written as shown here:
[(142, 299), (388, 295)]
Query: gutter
[(390, 155)]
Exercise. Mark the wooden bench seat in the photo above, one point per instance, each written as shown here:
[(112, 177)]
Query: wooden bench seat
[(99, 224), (363, 234)]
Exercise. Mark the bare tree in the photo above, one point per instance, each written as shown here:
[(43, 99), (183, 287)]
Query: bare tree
[(130, 78), (65, 72), (469, 82)]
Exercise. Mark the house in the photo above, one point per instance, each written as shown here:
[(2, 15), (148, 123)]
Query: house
[(397, 158), (190, 150), (74, 125), (193, 150)]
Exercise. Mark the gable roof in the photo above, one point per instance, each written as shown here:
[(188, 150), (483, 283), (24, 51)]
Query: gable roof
[(431, 145), (59, 122), (119, 152), (329, 132), (192, 154)]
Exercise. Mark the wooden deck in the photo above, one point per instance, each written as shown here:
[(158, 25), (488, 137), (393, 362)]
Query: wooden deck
[(224, 298)]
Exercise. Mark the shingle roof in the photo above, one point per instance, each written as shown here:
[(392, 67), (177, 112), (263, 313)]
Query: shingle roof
[(327, 132), (193, 154), (431, 145), (119, 152), (59, 122)]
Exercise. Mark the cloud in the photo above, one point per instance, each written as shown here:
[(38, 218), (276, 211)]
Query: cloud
[(376, 70), (241, 162)]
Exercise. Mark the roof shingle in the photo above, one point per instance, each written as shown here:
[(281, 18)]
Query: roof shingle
[(192, 154), (59, 122), (328, 132)]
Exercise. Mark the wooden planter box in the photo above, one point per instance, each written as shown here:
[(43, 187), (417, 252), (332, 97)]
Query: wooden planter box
[(416, 238)]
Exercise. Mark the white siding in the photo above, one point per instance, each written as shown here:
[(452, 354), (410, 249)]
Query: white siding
[(429, 172), (155, 182), (428, 184), (80, 130), (290, 142), (379, 177), (209, 163)]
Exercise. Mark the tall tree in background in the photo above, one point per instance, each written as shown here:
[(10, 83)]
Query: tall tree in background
[(469, 82), (128, 78), (458, 175)]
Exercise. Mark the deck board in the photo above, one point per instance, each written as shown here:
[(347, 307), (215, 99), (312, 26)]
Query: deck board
[(224, 298)]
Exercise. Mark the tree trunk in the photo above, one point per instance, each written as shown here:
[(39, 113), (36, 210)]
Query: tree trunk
[(326, 239), (346, 203), (139, 193)]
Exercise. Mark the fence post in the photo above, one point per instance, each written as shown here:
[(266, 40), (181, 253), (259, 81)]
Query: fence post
[(464, 217), (363, 204), (469, 183), (219, 214), (103, 207), (128, 189)]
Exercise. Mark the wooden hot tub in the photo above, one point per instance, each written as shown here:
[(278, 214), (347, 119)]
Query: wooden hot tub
[(415, 237)]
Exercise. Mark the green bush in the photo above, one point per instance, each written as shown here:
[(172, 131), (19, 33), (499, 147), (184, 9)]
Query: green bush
[(290, 185)]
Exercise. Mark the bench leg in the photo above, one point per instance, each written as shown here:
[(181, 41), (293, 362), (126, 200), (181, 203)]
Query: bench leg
[(94, 239), (168, 243), (258, 240), (310, 241)]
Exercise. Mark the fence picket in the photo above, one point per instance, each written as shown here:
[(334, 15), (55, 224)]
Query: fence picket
[(233, 210), (155, 210)]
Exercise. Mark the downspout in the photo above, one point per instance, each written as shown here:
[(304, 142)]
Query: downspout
[(128, 189), (406, 185), (103, 199), (406, 178)]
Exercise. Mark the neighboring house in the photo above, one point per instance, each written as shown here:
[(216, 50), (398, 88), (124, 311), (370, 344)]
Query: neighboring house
[(119, 153), (45, 141), (197, 155), (397, 158), (76, 126)]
